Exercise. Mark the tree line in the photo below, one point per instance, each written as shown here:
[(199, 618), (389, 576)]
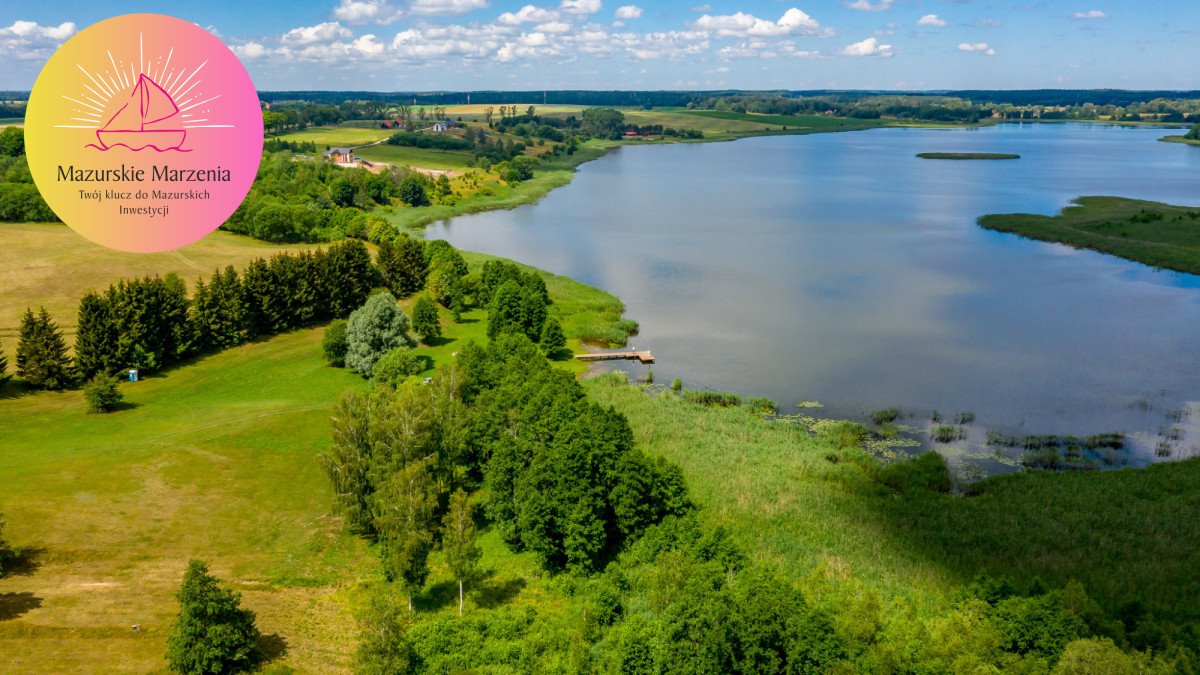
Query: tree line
[(150, 323), (20, 200)]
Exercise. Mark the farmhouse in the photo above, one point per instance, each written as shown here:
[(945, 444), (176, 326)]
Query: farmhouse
[(442, 125), (340, 156)]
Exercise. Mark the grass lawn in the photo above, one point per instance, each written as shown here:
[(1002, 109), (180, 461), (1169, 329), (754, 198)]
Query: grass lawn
[(1147, 232), (1125, 534), (214, 460), (418, 157), (337, 137), (48, 264)]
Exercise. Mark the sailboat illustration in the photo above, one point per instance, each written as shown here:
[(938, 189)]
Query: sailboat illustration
[(150, 119)]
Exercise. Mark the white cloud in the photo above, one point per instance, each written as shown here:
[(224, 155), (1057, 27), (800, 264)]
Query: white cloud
[(793, 22), (980, 47), (28, 41), (449, 41), (445, 6), (250, 50), (868, 6), (629, 12), (931, 20), (868, 47), (1093, 14), (322, 32), (367, 11), (553, 27), (527, 14), (583, 7)]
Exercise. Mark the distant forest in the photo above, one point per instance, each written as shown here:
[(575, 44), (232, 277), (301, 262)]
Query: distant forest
[(1021, 97)]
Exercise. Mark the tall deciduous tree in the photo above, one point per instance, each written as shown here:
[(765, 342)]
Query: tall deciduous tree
[(42, 359), (459, 542), (212, 633), (425, 320), (404, 519), (348, 461)]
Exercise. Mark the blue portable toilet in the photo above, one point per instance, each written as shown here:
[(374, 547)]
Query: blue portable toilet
[(133, 375)]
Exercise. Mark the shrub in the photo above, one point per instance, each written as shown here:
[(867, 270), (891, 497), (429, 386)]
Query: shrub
[(712, 399), (212, 634), (375, 329), (334, 343), (926, 472), (885, 416), (398, 365), (7, 552), (425, 320), (101, 394)]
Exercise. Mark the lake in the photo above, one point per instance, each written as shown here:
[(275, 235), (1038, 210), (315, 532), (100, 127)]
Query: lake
[(843, 269)]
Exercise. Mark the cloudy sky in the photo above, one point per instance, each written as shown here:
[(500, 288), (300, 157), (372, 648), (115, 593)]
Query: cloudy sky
[(389, 45)]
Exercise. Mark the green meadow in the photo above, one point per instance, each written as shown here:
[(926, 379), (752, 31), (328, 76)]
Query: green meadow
[(798, 502), (1152, 233)]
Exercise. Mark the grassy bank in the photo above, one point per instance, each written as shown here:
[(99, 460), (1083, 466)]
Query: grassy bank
[(967, 155), (1180, 139), (1147, 232), (800, 503)]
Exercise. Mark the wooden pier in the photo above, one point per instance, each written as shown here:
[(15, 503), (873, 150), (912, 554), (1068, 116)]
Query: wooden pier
[(644, 357)]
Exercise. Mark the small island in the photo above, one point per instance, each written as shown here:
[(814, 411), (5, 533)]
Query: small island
[(1151, 233), (967, 155)]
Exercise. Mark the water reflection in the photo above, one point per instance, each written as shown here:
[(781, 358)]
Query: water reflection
[(841, 268)]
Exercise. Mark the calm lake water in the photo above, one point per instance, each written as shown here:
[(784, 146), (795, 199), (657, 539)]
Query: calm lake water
[(841, 268)]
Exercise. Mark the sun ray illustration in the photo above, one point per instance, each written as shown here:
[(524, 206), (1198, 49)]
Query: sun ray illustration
[(146, 107), (189, 77)]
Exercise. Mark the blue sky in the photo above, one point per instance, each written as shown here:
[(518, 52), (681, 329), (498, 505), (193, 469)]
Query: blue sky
[(635, 44)]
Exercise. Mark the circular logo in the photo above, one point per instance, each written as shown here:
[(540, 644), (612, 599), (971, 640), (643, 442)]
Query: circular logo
[(143, 132)]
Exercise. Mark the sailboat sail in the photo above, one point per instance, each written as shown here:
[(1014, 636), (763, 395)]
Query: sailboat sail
[(148, 119)]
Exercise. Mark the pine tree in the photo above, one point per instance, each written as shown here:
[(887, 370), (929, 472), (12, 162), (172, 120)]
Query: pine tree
[(256, 290), (404, 518), (4, 376), (212, 633), (42, 359), (218, 311), (351, 276), (458, 542), (96, 339), (553, 340), (425, 320)]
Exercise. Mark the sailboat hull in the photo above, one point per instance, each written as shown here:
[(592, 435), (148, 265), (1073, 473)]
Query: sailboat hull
[(139, 140)]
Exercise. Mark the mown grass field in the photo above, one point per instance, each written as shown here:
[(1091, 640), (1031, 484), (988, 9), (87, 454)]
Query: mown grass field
[(49, 264), (215, 459), (336, 136), (1152, 233), (417, 157), (1125, 534)]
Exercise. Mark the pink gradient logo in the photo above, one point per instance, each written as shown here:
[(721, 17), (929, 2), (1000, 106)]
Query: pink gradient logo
[(144, 132)]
